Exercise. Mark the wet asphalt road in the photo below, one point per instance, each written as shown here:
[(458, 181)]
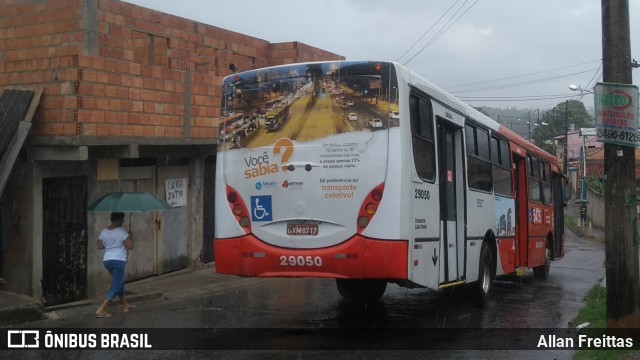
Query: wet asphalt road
[(315, 304)]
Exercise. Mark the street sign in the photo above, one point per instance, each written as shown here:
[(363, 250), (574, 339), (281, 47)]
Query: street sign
[(588, 132), (617, 114), (176, 192)]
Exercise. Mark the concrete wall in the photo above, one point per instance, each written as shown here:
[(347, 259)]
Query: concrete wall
[(595, 208), (16, 231), (142, 259), (173, 228), (22, 223), (195, 232), (164, 241)]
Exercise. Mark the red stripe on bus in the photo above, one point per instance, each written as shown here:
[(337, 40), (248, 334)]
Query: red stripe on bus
[(518, 144), (357, 258)]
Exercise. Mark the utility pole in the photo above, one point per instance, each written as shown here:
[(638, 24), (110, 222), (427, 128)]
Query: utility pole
[(566, 136), (621, 242)]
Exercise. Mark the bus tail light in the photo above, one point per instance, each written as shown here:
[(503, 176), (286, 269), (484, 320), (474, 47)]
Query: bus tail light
[(239, 209), (369, 207)]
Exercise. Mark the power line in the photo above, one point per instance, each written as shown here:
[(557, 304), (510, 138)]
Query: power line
[(515, 100), (596, 77), (518, 97), (443, 26), (438, 35), (504, 86), (443, 29), (428, 30), (594, 152), (522, 75)]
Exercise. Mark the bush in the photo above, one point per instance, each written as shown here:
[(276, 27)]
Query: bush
[(595, 185)]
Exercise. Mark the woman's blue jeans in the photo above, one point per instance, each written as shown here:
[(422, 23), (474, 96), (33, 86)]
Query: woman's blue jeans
[(116, 269)]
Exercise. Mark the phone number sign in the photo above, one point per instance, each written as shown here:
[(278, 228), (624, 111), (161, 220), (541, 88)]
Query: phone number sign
[(617, 114)]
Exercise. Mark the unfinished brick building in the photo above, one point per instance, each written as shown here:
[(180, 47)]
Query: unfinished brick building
[(130, 101)]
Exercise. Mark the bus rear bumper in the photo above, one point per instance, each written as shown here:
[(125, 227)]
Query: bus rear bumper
[(357, 258)]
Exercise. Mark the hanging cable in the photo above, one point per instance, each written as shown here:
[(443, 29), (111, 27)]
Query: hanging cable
[(505, 86), (521, 75), (439, 33), (426, 32)]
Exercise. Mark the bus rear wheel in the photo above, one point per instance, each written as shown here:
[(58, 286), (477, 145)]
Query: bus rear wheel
[(542, 272), (361, 289), (482, 288)]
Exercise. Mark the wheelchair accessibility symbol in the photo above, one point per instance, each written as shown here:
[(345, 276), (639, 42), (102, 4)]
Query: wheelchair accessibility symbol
[(261, 208)]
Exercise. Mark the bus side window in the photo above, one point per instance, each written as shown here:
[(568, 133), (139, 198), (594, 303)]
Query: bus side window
[(422, 141), (545, 176), (478, 158), (502, 176), (533, 172)]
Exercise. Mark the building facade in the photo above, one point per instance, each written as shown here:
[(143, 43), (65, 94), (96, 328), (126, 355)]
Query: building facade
[(131, 102)]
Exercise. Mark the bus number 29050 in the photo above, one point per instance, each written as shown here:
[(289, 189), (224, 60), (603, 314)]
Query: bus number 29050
[(300, 261)]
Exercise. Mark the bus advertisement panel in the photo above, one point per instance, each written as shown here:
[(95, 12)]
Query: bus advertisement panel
[(302, 179)]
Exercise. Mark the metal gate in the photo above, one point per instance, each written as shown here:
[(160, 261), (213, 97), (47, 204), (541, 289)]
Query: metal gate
[(64, 240)]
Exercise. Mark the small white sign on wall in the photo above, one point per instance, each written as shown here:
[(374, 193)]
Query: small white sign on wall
[(176, 191)]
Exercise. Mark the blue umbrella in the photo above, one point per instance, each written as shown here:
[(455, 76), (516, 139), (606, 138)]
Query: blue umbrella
[(129, 202)]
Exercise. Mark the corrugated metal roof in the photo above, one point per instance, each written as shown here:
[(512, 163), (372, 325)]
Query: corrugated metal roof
[(13, 108)]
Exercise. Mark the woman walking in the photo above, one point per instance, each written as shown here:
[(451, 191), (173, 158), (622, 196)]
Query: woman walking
[(116, 242)]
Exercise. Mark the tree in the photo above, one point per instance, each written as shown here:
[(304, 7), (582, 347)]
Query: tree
[(555, 119)]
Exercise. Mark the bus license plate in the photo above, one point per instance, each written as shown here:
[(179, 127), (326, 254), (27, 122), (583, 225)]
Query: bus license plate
[(302, 229)]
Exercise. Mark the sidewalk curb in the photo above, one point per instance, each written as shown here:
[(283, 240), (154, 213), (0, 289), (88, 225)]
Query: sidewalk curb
[(27, 309), (21, 313), (130, 298), (134, 297), (145, 296)]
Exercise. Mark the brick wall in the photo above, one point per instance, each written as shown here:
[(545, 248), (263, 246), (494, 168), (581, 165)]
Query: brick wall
[(295, 52), (149, 72), (38, 42)]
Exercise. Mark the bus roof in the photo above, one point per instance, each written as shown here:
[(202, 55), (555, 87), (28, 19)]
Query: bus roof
[(451, 101), (278, 99), (276, 111)]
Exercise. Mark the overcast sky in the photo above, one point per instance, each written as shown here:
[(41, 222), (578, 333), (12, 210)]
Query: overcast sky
[(494, 39)]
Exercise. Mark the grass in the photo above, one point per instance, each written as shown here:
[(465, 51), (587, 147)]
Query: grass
[(573, 225), (595, 312)]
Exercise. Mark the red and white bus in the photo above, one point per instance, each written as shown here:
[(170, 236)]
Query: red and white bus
[(421, 190)]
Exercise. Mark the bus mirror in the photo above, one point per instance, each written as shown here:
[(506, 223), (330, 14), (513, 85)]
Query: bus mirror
[(566, 190)]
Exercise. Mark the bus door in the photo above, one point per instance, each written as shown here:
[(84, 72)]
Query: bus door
[(558, 210), (426, 253), (451, 199), (521, 199)]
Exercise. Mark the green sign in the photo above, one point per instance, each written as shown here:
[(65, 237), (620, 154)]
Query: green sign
[(617, 114)]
